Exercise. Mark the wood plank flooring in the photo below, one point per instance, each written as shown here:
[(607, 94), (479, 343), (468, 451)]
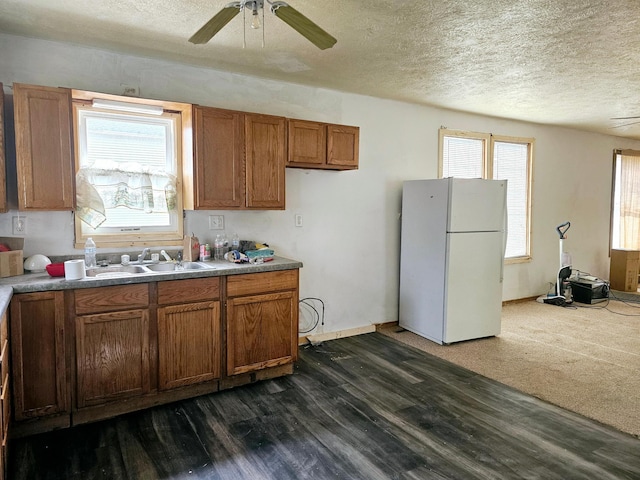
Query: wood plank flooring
[(365, 407)]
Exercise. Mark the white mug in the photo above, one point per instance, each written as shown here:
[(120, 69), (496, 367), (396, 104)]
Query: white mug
[(125, 259)]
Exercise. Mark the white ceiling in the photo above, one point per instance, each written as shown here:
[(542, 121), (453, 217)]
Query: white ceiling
[(572, 63)]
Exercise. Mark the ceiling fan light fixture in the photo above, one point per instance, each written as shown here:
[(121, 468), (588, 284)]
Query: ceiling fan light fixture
[(255, 19), (282, 10)]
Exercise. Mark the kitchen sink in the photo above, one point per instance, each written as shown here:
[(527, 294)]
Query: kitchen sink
[(161, 267), (170, 266), (117, 271), (196, 266), (114, 271)]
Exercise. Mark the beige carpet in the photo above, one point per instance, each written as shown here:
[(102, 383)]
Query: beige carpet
[(584, 359)]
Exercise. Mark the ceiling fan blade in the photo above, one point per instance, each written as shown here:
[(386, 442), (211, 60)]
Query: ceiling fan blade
[(214, 25), (303, 25), (624, 118), (627, 124)]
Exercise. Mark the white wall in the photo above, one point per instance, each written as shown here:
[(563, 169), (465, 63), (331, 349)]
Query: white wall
[(350, 238)]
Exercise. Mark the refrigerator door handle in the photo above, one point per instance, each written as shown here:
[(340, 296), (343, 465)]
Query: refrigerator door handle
[(505, 232)]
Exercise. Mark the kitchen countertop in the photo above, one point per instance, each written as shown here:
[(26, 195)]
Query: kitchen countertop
[(41, 282)]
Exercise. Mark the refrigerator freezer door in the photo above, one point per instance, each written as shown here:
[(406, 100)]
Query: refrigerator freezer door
[(477, 205), (473, 304)]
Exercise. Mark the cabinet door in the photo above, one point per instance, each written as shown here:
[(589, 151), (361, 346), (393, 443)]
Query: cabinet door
[(44, 160), (219, 159), (265, 150), (188, 344), (3, 175), (307, 143), (261, 331), (343, 144), (112, 355), (37, 354)]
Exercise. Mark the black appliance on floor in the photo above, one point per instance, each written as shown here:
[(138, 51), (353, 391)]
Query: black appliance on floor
[(589, 290)]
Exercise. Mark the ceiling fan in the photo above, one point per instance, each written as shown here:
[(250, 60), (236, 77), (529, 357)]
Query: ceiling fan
[(636, 118), (282, 10)]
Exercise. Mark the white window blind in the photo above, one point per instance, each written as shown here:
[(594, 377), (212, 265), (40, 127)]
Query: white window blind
[(510, 162), (463, 155)]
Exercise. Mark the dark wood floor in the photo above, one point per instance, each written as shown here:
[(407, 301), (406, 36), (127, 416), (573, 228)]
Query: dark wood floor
[(364, 407)]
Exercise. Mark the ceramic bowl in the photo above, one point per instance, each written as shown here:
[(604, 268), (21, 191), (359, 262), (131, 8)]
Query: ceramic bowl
[(36, 263)]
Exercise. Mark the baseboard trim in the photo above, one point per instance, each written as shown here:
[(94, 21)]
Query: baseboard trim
[(350, 332)]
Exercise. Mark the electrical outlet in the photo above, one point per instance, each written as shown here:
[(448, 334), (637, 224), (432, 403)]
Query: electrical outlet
[(216, 222), (19, 225), (130, 90), (298, 220)]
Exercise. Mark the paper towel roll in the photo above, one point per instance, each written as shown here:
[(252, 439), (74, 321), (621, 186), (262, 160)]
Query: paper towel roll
[(74, 269)]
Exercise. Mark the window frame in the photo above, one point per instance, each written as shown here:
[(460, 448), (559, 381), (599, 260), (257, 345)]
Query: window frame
[(489, 140), (184, 174)]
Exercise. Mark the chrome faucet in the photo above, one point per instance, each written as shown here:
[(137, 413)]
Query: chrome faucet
[(144, 253)]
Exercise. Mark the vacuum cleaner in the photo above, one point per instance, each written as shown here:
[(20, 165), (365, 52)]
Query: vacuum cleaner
[(562, 295)]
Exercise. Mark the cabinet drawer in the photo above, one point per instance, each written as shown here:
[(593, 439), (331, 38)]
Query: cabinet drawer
[(4, 361), (251, 283), (5, 404), (191, 290), (109, 299)]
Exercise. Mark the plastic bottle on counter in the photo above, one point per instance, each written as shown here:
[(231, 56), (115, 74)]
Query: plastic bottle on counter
[(218, 248), (90, 253), (235, 242)]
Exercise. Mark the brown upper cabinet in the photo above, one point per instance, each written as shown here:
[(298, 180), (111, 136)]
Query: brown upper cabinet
[(3, 175), (239, 160), (44, 154), (322, 146)]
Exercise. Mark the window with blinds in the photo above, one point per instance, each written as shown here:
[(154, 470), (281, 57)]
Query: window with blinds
[(127, 176), (479, 155)]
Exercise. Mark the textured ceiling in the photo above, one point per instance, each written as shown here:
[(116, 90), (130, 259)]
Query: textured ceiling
[(571, 63)]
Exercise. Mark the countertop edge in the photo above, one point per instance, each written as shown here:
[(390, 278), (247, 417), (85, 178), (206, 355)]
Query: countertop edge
[(42, 282)]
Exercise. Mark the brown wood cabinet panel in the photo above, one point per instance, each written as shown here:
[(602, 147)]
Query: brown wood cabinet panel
[(219, 158), (322, 146), (191, 290), (3, 170), (109, 299), (112, 356), (188, 344), (343, 145), (265, 157), (38, 354), (307, 143), (44, 155), (252, 283), (260, 329)]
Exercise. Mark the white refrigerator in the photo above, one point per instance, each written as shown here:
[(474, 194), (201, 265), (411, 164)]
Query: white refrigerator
[(453, 241)]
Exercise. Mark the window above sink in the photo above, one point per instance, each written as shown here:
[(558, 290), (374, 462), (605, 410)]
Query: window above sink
[(129, 159)]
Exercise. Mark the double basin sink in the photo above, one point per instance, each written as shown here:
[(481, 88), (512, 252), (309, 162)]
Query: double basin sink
[(114, 271)]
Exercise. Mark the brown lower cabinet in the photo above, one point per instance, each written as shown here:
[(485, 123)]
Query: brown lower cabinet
[(5, 393), (89, 354), (189, 342), (261, 327), (112, 356), (38, 368)]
